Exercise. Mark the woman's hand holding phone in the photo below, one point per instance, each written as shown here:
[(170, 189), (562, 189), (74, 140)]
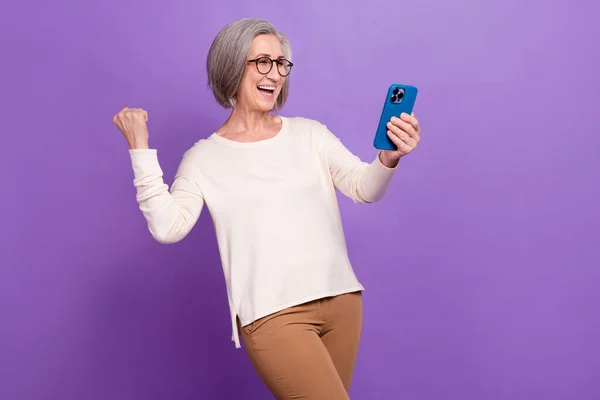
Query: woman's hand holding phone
[(405, 133)]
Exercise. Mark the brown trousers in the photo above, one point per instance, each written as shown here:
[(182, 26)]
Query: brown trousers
[(307, 351)]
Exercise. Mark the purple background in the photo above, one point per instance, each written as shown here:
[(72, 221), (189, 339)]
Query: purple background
[(481, 263)]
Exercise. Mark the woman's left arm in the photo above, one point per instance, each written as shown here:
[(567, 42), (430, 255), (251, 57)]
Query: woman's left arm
[(367, 183)]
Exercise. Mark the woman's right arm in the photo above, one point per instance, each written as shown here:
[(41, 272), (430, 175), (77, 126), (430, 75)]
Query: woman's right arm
[(170, 214)]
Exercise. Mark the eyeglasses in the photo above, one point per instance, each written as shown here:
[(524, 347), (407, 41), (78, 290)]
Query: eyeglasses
[(264, 65)]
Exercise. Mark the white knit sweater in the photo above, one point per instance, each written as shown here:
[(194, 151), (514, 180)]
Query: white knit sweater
[(274, 208)]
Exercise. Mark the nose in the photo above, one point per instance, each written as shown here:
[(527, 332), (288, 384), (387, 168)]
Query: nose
[(273, 74)]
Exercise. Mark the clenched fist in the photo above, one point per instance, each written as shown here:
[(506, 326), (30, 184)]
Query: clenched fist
[(132, 124)]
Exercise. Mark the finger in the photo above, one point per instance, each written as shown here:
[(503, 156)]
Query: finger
[(138, 112), (120, 113), (414, 130), (411, 141), (404, 125), (411, 120), (402, 147), (400, 134), (405, 137), (397, 126)]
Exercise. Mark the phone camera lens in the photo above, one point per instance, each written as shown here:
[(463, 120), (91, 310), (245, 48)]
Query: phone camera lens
[(396, 90), (394, 99), (400, 95)]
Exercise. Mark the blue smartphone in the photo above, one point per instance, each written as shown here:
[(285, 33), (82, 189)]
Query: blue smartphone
[(399, 99)]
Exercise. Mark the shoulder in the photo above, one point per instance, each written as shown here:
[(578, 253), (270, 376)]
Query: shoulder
[(305, 127), (315, 133), (198, 156), (310, 128), (302, 123), (197, 149)]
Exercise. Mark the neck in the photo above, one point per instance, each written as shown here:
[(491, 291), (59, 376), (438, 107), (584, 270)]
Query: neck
[(243, 119)]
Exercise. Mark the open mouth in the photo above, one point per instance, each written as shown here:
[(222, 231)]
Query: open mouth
[(266, 90)]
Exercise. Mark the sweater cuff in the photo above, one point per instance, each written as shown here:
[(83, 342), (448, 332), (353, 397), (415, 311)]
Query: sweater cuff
[(145, 163)]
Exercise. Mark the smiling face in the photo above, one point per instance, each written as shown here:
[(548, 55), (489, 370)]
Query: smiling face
[(259, 92)]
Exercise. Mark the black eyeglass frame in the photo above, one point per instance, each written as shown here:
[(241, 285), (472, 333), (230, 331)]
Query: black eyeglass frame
[(278, 61)]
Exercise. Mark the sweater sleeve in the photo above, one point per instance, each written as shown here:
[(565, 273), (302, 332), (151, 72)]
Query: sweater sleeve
[(170, 214), (360, 181)]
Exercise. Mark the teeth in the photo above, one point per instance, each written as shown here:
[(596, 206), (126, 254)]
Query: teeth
[(272, 88)]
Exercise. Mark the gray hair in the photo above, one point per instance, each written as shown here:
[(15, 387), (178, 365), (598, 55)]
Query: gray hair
[(226, 59)]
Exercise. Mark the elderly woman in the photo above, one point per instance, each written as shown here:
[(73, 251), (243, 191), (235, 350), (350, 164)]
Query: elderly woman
[(269, 184)]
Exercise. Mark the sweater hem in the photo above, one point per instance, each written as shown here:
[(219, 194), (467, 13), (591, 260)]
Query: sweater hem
[(304, 300)]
